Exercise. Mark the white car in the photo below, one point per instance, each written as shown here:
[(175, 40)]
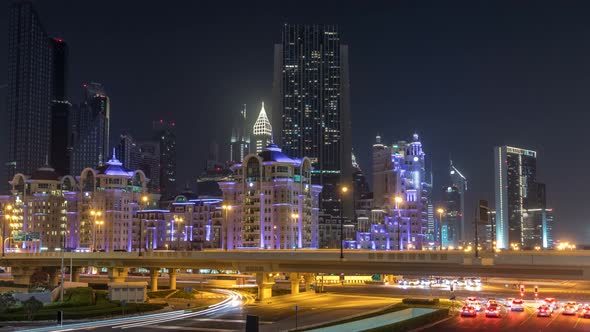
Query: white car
[(414, 282), (473, 302), (517, 305), (508, 302)]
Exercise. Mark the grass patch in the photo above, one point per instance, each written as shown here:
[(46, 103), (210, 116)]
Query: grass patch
[(160, 294), (184, 295)]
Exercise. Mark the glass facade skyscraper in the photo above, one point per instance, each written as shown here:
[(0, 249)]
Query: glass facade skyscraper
[(311, 106), (60, 108), (164, 133), (89, 131), (515, 191), (29, 95)]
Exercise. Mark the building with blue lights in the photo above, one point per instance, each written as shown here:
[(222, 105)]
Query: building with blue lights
[(270, 203), (399, 172)]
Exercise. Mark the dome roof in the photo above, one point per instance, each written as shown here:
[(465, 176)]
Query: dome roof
[(273, 153), (46, 173), (114, 167)]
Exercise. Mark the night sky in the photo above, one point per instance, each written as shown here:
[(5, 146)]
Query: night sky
[(465, 75)]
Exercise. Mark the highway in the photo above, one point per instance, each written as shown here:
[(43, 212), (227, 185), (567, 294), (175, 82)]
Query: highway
[(514, 321)]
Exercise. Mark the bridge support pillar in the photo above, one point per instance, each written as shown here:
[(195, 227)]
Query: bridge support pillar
[(294, 277), (76, 274), (54, 276), (22, 274), (309, 279), (264, 280), (154, 272), (118, 274), (172, 276)]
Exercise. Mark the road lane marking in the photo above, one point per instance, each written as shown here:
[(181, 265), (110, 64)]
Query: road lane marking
[(553, 319)]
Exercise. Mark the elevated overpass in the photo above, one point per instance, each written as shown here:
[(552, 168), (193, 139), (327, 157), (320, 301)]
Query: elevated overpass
[(554, 265)]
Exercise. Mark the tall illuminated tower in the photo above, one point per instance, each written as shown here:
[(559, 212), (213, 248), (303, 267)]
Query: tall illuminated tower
[(311, 107), (515, 172), (262, 131)]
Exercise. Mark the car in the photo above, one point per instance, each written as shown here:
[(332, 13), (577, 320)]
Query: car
[(544, 311), (424, 282), (551, 302), (508, 302), (585, 312), (491, 300), (493, 310), (414, 282), (468, 311), (574, 304), (517, 305), (570, 309), (460, 283), (472, 301)]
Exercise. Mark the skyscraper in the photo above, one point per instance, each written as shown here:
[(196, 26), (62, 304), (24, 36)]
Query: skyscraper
[(89, 132), (164, 133), (60, 108), (454, 206), (262, 131), (312, 108), (240, 139), (30, 61), (516, 190)]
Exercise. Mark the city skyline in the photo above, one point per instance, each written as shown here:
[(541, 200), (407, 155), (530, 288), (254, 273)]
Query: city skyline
[(423, 93)]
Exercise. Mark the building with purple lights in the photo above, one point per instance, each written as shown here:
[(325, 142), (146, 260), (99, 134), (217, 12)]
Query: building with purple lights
[(270, 203), (190, 223)]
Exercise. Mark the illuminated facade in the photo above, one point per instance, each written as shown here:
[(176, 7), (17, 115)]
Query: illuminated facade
[(190, 223), (271, 203), (516, 190), (311, 105), (399, 171), (262, 131)]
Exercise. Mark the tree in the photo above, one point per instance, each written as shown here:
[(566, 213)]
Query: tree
[(31, 306), (6, 301)]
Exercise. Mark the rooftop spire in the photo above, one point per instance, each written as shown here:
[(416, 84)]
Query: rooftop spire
[(262, 125)]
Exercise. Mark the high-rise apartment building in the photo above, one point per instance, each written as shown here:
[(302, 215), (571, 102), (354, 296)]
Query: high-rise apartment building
[(262, 131), (164, 133), (401, 191), (311, 107), (517, 191), (271, 203), (30, 70), (239, 145), (89, 131)]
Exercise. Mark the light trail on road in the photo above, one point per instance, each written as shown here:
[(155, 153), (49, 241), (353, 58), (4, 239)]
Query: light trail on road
[(233, 299)]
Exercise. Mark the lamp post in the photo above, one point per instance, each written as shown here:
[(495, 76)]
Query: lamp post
[(7, 210), (95, 214), (295, 217), (97, 223), (398, 200), (439, 233), (343, 190), (226, 209), (144, 199), (178, 220)]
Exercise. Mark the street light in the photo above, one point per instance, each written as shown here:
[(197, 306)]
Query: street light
[(144, 199), (95, 214), (7, 210), (97, 223), (439, 233), (398, 200), (295, 217), (178, 220), (226, 209), (343, 190)]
